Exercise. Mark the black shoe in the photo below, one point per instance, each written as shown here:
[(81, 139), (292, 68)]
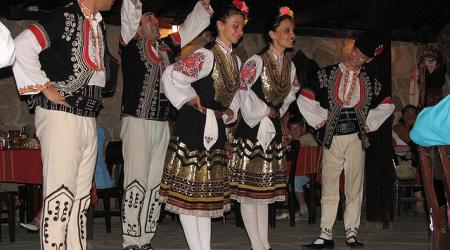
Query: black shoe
[(131, 247), (328, 244), (147, 247), (355, 244)]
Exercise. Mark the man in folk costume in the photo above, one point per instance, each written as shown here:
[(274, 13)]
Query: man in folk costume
[(60, 63), (427, 79), (347, 106), (146, 110)]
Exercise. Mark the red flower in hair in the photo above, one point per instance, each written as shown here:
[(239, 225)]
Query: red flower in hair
[(286, 11), (378, 50), (241, 5)]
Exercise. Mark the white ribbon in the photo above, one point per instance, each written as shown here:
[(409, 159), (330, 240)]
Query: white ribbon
[(211, 132), (266, 133)]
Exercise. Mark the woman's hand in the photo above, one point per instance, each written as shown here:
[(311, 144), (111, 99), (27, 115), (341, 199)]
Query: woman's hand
[(230, 115)]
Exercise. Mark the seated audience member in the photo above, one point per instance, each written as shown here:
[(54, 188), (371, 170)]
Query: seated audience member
[(404, 148), (299, 134)]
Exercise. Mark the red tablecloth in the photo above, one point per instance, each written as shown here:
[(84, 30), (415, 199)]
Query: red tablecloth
[(308, 160), (21, 166)]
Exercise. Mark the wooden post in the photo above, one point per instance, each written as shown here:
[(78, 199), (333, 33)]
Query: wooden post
[(379, 170)]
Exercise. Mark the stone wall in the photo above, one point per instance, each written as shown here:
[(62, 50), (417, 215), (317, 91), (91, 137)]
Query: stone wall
[(325, 51)]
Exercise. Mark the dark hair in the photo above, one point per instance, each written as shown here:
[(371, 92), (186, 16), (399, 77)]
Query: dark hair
[(296, 120), (273, 23), (221, 14)]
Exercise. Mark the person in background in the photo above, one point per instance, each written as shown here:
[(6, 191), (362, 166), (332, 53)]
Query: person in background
[(299, 134), (6, 47), (404, 147)]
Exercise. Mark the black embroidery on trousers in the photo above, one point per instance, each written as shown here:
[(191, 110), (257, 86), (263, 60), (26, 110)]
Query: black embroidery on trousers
[(85, 202), (133, 199), (56, 210), (153, 209)]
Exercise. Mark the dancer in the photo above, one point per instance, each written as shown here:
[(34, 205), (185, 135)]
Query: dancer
[(146, 111), (6, 47), (258, 167), (203, 87), (348, 105), (60, 62)]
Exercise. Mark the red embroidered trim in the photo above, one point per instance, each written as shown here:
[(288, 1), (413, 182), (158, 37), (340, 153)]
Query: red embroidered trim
[(248, 74), (40, 35), (176, 38), (361, 92), (191, 65), (387, 100), (86, 57), (32, 88), (336, 88), (151, 54), (308, 94)]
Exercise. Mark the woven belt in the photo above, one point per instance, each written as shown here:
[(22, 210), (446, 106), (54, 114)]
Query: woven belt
[(346, 128)]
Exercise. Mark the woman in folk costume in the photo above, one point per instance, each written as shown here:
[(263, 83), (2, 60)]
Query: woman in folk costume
[(203, 87), (258, 167)]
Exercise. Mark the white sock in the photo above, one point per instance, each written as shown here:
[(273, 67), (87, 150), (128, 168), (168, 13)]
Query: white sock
[(263, 224), (323, 235), (350, 234), (190, 228), (204, 228), (250, 218), (303, 209)]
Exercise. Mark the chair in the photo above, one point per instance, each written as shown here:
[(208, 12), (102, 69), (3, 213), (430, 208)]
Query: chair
[(114, 162), (307, 161), (426, 156), (9, 199)]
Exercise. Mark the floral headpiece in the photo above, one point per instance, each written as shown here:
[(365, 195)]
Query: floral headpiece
[(242, 6), (286, 11)]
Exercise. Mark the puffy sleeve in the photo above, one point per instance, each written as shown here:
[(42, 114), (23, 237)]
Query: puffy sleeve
[(6, 47), (177, 78), (311, 110), (130, 17), (253, 109), (30, 79), (378, 115), (194, 23), (295, 86)]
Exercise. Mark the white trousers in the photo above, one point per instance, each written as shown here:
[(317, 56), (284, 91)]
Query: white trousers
[(69, 151), (197, 231), (346, 153), (144, 150)]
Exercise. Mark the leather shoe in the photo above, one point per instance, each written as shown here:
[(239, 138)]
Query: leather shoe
[(356, 243), (327, 244)]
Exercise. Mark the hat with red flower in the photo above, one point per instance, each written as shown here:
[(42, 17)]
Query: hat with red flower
[(369, 44)]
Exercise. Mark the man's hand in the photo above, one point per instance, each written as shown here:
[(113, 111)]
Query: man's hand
[(229, 114), (366, 128), (205, 4), (52, 94), (320, 125), (195, 102)]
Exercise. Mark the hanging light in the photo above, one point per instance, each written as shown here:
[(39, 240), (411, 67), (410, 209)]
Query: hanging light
[(175, 28)]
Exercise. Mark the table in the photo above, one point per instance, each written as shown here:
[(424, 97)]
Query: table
[(21, 166), (24, 166)]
